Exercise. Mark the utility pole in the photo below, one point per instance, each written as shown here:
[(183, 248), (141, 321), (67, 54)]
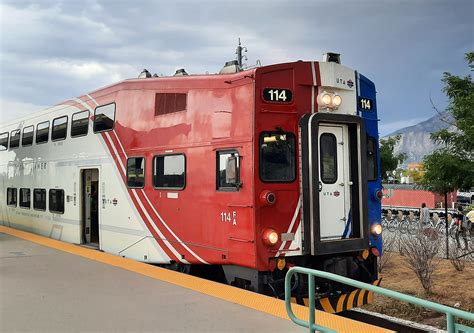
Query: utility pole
[(446, 220)]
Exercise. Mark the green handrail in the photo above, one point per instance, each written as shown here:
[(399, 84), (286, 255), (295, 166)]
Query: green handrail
[(451, 313)]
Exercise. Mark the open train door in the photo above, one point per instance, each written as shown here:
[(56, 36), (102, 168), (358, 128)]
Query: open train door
[(90, 207), (334, 183)]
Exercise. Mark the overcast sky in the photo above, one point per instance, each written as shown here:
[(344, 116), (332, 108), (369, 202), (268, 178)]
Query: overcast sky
[(53, 50)]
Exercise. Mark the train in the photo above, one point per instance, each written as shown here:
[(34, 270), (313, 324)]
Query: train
[(238, 175)]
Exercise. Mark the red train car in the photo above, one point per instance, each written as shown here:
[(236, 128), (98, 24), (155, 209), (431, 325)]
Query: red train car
[(242, 173)]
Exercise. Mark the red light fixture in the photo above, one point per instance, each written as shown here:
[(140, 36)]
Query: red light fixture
[(270, 237), (268, 197), (379, 195)]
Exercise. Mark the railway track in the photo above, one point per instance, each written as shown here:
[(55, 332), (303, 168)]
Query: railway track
[(391, 323)]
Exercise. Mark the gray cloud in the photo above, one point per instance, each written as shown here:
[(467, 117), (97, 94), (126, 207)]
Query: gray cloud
[(53, 50)]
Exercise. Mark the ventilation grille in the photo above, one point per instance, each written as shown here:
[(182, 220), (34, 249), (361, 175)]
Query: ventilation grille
[(166, 103)]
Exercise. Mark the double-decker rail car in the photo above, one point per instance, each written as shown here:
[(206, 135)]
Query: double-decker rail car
[(239, 175)]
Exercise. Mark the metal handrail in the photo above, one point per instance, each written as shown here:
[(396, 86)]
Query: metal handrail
[(451, 313)]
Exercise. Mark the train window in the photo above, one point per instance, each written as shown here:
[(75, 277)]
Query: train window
[(15, 139), (25, 198), (371, 159), (59, 130), (11, 196), (56, 201), (4, 141), (104, 118), (228, 170), (80, 123), (169, 171), (39, 199), (328, 158), (277, 157), (27, 138), (136, 172), (42, 132), (166, 103)]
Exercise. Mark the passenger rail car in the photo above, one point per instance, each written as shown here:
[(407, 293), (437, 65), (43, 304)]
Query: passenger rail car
[(243, 173)]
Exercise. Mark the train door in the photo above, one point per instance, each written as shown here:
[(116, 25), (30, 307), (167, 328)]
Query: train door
[(90, 207), (334, 186)]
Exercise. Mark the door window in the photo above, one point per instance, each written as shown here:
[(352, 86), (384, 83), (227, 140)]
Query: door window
[(328, 158)]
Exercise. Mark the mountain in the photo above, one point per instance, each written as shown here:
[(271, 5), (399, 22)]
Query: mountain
[(415, 140)]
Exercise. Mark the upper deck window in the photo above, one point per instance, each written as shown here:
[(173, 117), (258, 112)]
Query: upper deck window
[(277, 157), (80, 123), (15, 139), (4, 141), (59, 130), (42, 132), (104, 118), (27, 138), (166, 103)]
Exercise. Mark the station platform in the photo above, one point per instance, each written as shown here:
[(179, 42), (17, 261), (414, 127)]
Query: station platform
[(52, 286)]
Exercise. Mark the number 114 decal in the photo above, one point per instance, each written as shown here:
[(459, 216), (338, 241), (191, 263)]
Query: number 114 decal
[(229, 217)]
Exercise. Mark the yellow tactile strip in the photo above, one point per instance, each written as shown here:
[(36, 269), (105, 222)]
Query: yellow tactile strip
[(242, 297)]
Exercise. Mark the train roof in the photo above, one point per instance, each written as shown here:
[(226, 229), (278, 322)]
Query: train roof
[(212, 81)]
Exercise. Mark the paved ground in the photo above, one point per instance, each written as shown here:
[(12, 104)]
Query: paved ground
[(45, 290)]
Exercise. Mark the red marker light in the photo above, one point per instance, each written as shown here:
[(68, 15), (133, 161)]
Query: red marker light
[(268, 197), (270, 237), (379, 194)]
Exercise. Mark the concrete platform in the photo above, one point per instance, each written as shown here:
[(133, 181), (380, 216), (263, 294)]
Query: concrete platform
[(43, 289), (51, 286)]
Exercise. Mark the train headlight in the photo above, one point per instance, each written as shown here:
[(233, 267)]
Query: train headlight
[(325, 99), (270, 237), (376, 229), (329, 100), (336, 101)]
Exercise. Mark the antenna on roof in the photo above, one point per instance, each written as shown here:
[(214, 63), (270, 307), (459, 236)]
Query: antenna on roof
[(238, 51)]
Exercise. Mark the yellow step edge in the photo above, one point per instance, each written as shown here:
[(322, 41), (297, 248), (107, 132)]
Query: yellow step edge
[(242, 297)]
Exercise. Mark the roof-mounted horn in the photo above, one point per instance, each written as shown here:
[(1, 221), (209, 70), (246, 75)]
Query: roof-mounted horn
[(180, 72), (144, 74), (230, 67)]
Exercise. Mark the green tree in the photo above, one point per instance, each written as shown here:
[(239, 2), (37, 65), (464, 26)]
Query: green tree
[(389, 161), (451, 167)]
